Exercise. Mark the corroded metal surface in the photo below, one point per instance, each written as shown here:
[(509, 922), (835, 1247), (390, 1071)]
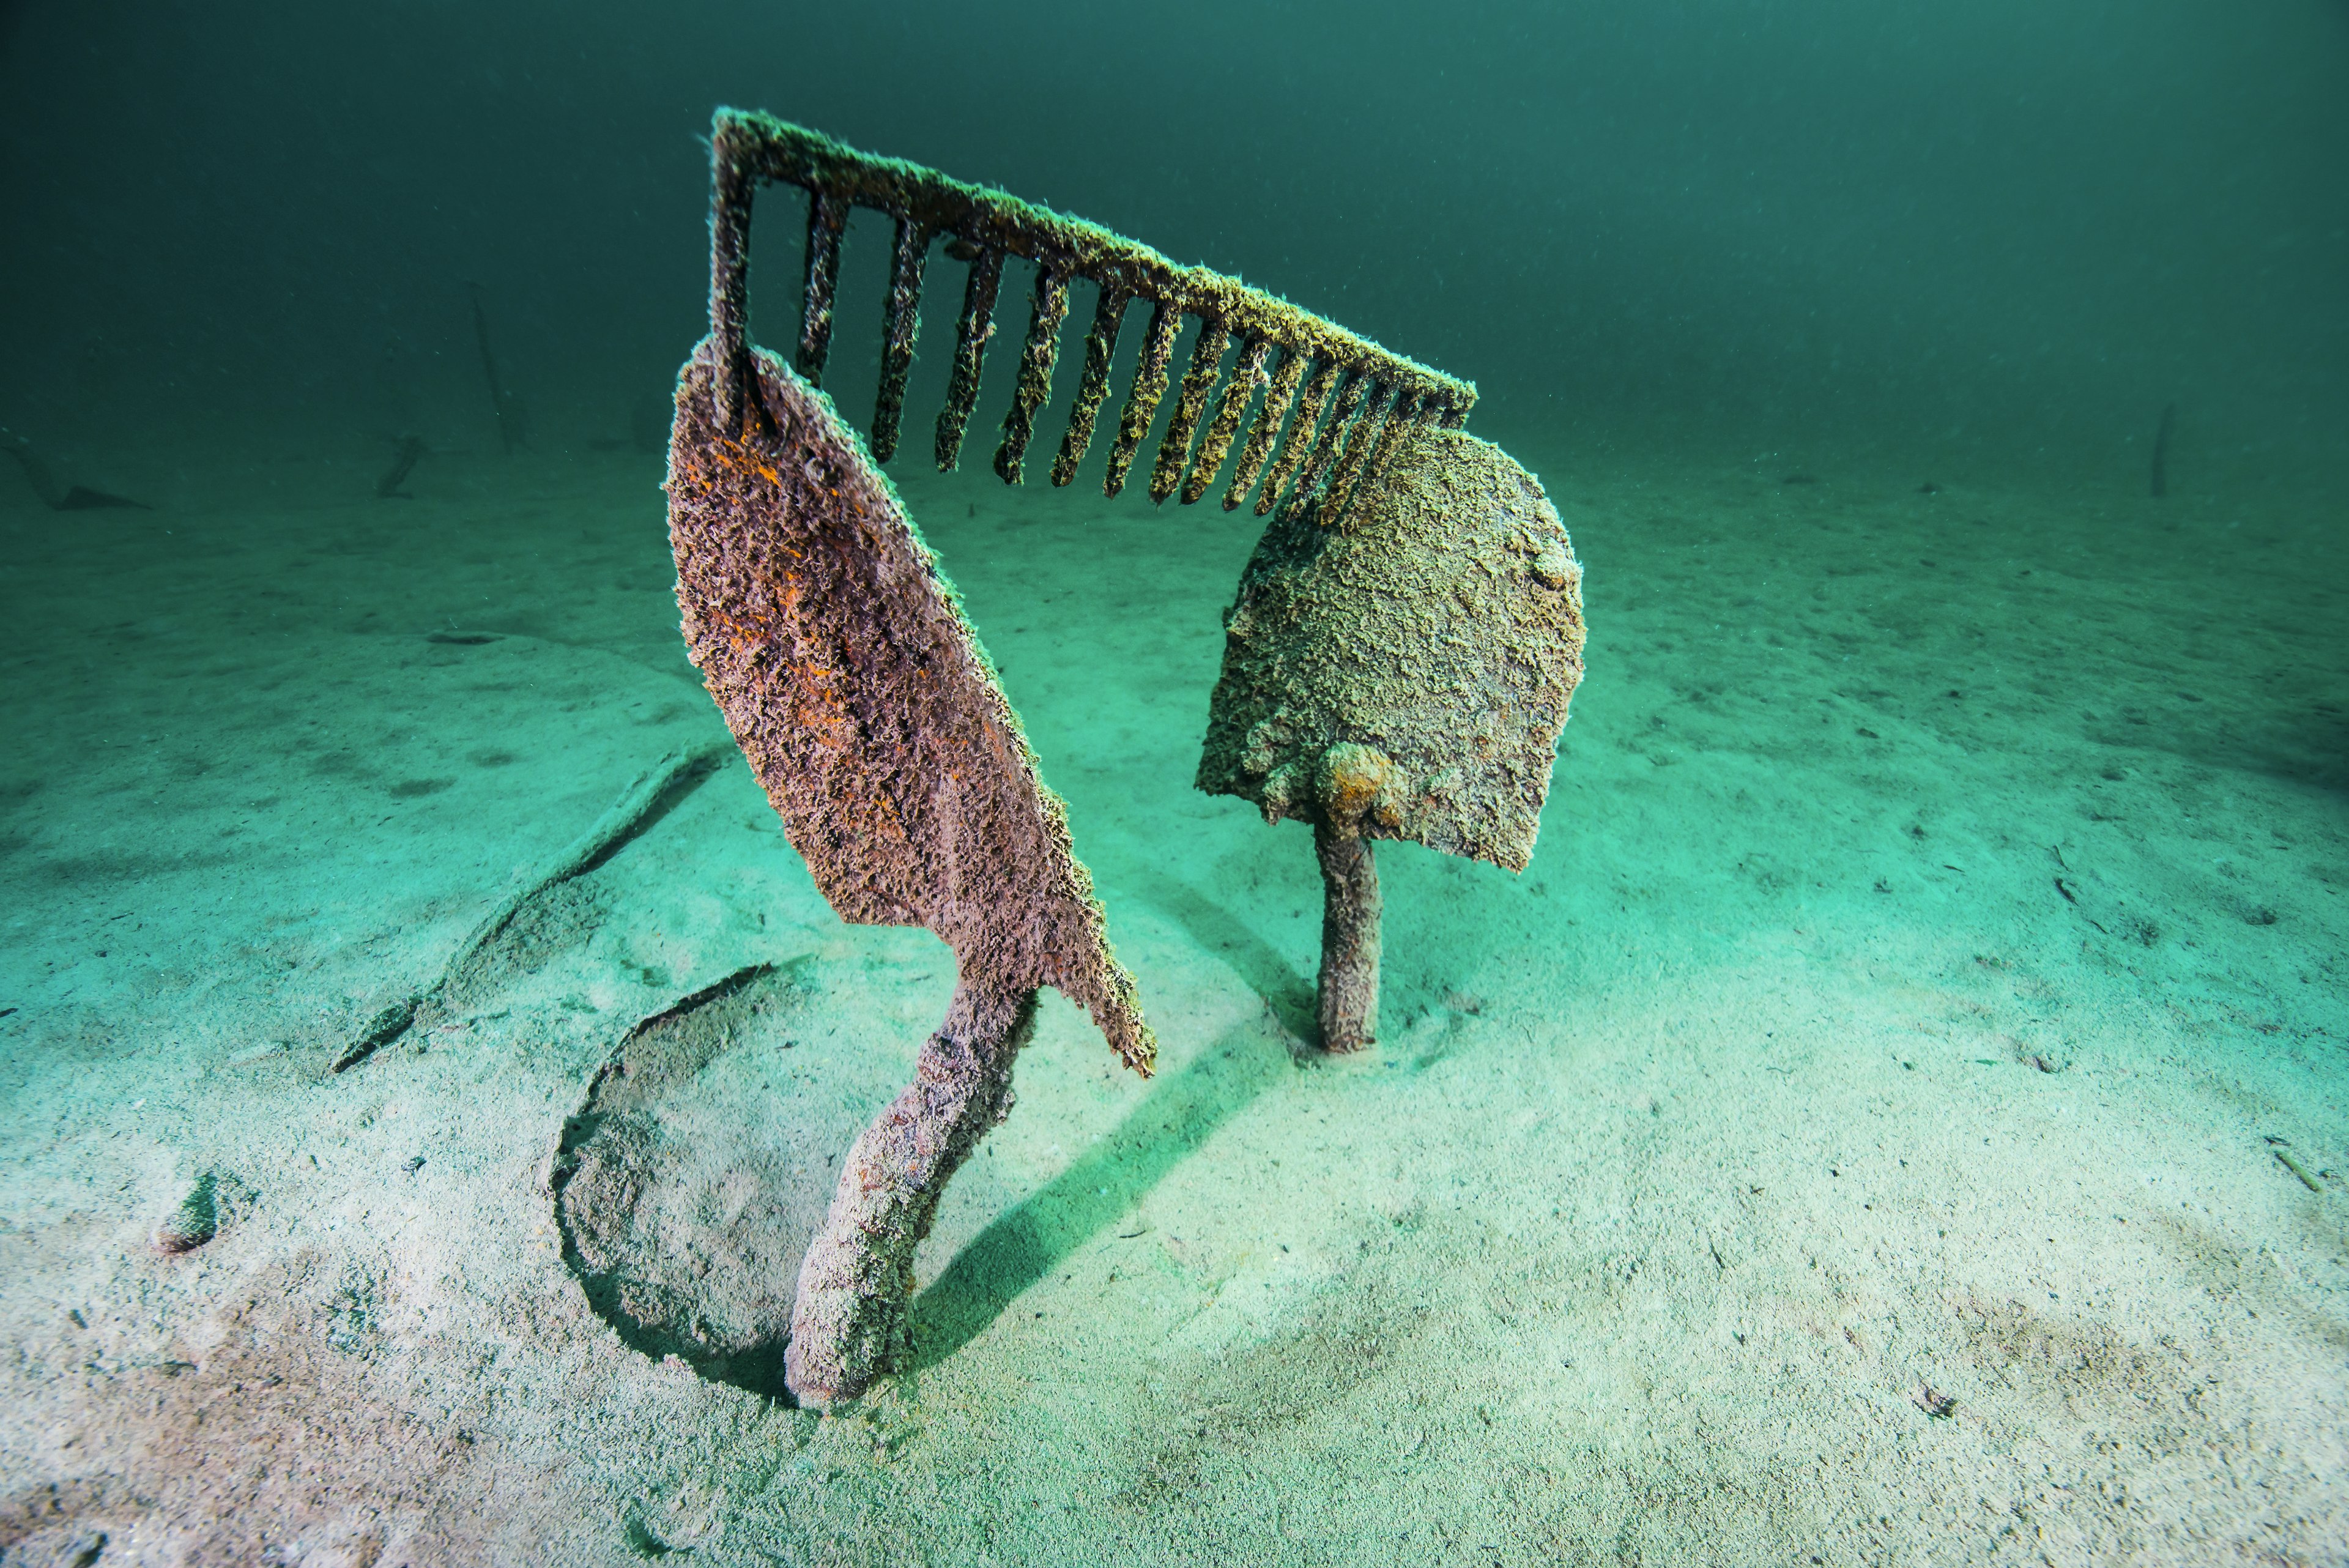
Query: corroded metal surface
[(843, 666), (983, 227), (1431, 639), (976, 326)]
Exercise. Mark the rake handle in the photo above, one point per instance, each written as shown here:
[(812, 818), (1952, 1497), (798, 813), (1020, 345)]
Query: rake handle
[(731, 183)]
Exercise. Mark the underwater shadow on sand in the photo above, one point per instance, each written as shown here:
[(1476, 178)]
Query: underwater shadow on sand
[(2313, 749), (2309, 748), (1444, 916), (1100, 1190), (1289, 995)]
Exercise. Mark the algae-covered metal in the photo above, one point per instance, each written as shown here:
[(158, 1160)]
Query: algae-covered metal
[(841, 661), (845, 670), (1383, 396), (839, 655), (1398, 665), (1437, 627)]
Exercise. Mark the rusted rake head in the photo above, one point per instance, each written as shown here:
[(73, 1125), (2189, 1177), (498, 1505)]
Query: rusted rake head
[(1334, 405)]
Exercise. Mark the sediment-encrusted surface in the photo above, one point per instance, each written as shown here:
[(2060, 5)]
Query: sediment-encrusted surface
[(1439, 622), (835, 648)]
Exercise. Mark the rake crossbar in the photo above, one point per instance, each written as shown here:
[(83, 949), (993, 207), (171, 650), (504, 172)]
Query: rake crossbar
[(1380, 395)]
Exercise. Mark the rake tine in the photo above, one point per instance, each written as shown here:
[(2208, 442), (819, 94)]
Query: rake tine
[(1410, 415), (827, 215), (1175, 446), (1247, 378), (1049, 308), (1360, 441), (1454, 415), (1300, 434), (901, 321), (1266, 429), (972, 331), (1350, 403), (1092, 386), (1149, 386)]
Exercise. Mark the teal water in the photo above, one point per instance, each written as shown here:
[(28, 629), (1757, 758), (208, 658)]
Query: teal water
[(1897, 1116)]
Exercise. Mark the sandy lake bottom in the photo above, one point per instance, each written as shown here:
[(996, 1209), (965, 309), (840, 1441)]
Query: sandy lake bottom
[(1901, 1115)]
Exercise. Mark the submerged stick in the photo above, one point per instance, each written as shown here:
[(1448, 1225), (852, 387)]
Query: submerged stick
[(621, 821), (57, 498), (850, 1323), (2298, 1169), (510, 432), (404, 453)]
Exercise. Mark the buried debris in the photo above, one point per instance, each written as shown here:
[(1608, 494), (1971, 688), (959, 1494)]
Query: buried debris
[(2289, 1161), (210, 1205), (195, 1222)]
